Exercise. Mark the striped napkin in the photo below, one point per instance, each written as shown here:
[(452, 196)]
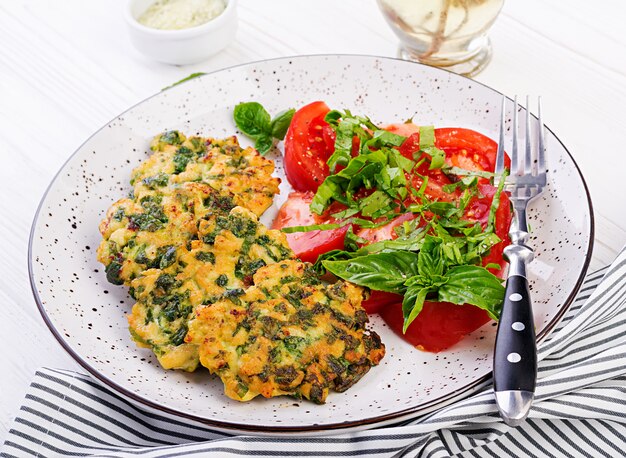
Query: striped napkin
[(580, 407)]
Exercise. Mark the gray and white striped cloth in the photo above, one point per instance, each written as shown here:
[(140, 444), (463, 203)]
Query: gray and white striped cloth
[(580, 408)]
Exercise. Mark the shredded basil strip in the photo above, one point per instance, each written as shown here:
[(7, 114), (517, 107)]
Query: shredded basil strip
[(453, 170), (495, 203), (427, 145), (314, 227)]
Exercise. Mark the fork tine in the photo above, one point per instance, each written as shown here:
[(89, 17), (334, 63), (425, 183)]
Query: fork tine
[(528, 160), (541, 153), (500, 154), (514, 159)]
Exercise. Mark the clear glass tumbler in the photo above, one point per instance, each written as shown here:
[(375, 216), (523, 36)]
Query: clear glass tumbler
[(444, 33)]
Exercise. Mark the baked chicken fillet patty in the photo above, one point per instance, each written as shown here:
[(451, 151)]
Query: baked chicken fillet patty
[(182, 182), (288, 334), (220, 264)]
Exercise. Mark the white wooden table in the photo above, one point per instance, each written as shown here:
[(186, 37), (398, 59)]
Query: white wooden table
[(66, 68)]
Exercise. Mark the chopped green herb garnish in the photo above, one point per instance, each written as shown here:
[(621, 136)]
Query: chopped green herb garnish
[(158, 180), (436, 255), (427, 145)]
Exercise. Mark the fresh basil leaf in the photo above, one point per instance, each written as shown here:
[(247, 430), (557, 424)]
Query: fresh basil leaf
[(413, 303), (339, 186), (280, 123), (369, 157), (452, 248), (429, 260), (382, 272), (263, 144), (471, 230), (479, 245), (408, 228), (333, 255), (434, 281), (252, 119), (385, 177), (493, 265), (461, 285), (473, 285), (187, 78), (370, 137), (346, 127), (366, 177)]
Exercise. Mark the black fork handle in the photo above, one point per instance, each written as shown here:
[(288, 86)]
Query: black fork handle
[(515, 357)]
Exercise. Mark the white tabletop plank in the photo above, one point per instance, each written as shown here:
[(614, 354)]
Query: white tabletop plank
[(66, 68)]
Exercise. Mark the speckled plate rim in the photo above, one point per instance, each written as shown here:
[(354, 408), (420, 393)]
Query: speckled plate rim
[(380, 420)]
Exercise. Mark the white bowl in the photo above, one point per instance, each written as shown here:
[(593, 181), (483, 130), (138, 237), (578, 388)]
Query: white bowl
[(184, 46)]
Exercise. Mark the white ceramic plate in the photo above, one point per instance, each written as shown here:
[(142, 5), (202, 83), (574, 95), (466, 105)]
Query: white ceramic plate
[(87, 314)]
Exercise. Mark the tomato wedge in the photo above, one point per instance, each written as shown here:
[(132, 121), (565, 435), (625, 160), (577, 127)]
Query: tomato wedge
[(464, 148), (307, 245), (379, 300), (438, 326), (386, 232), (309, 142)]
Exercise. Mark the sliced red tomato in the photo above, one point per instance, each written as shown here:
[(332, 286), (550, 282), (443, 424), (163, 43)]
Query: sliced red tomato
[(438, 326), (464, 148), (386, 232), (405, 129), (309, 142), (308, 245), (378, 300)]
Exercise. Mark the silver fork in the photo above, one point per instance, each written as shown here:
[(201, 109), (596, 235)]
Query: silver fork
[(515, 355)]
